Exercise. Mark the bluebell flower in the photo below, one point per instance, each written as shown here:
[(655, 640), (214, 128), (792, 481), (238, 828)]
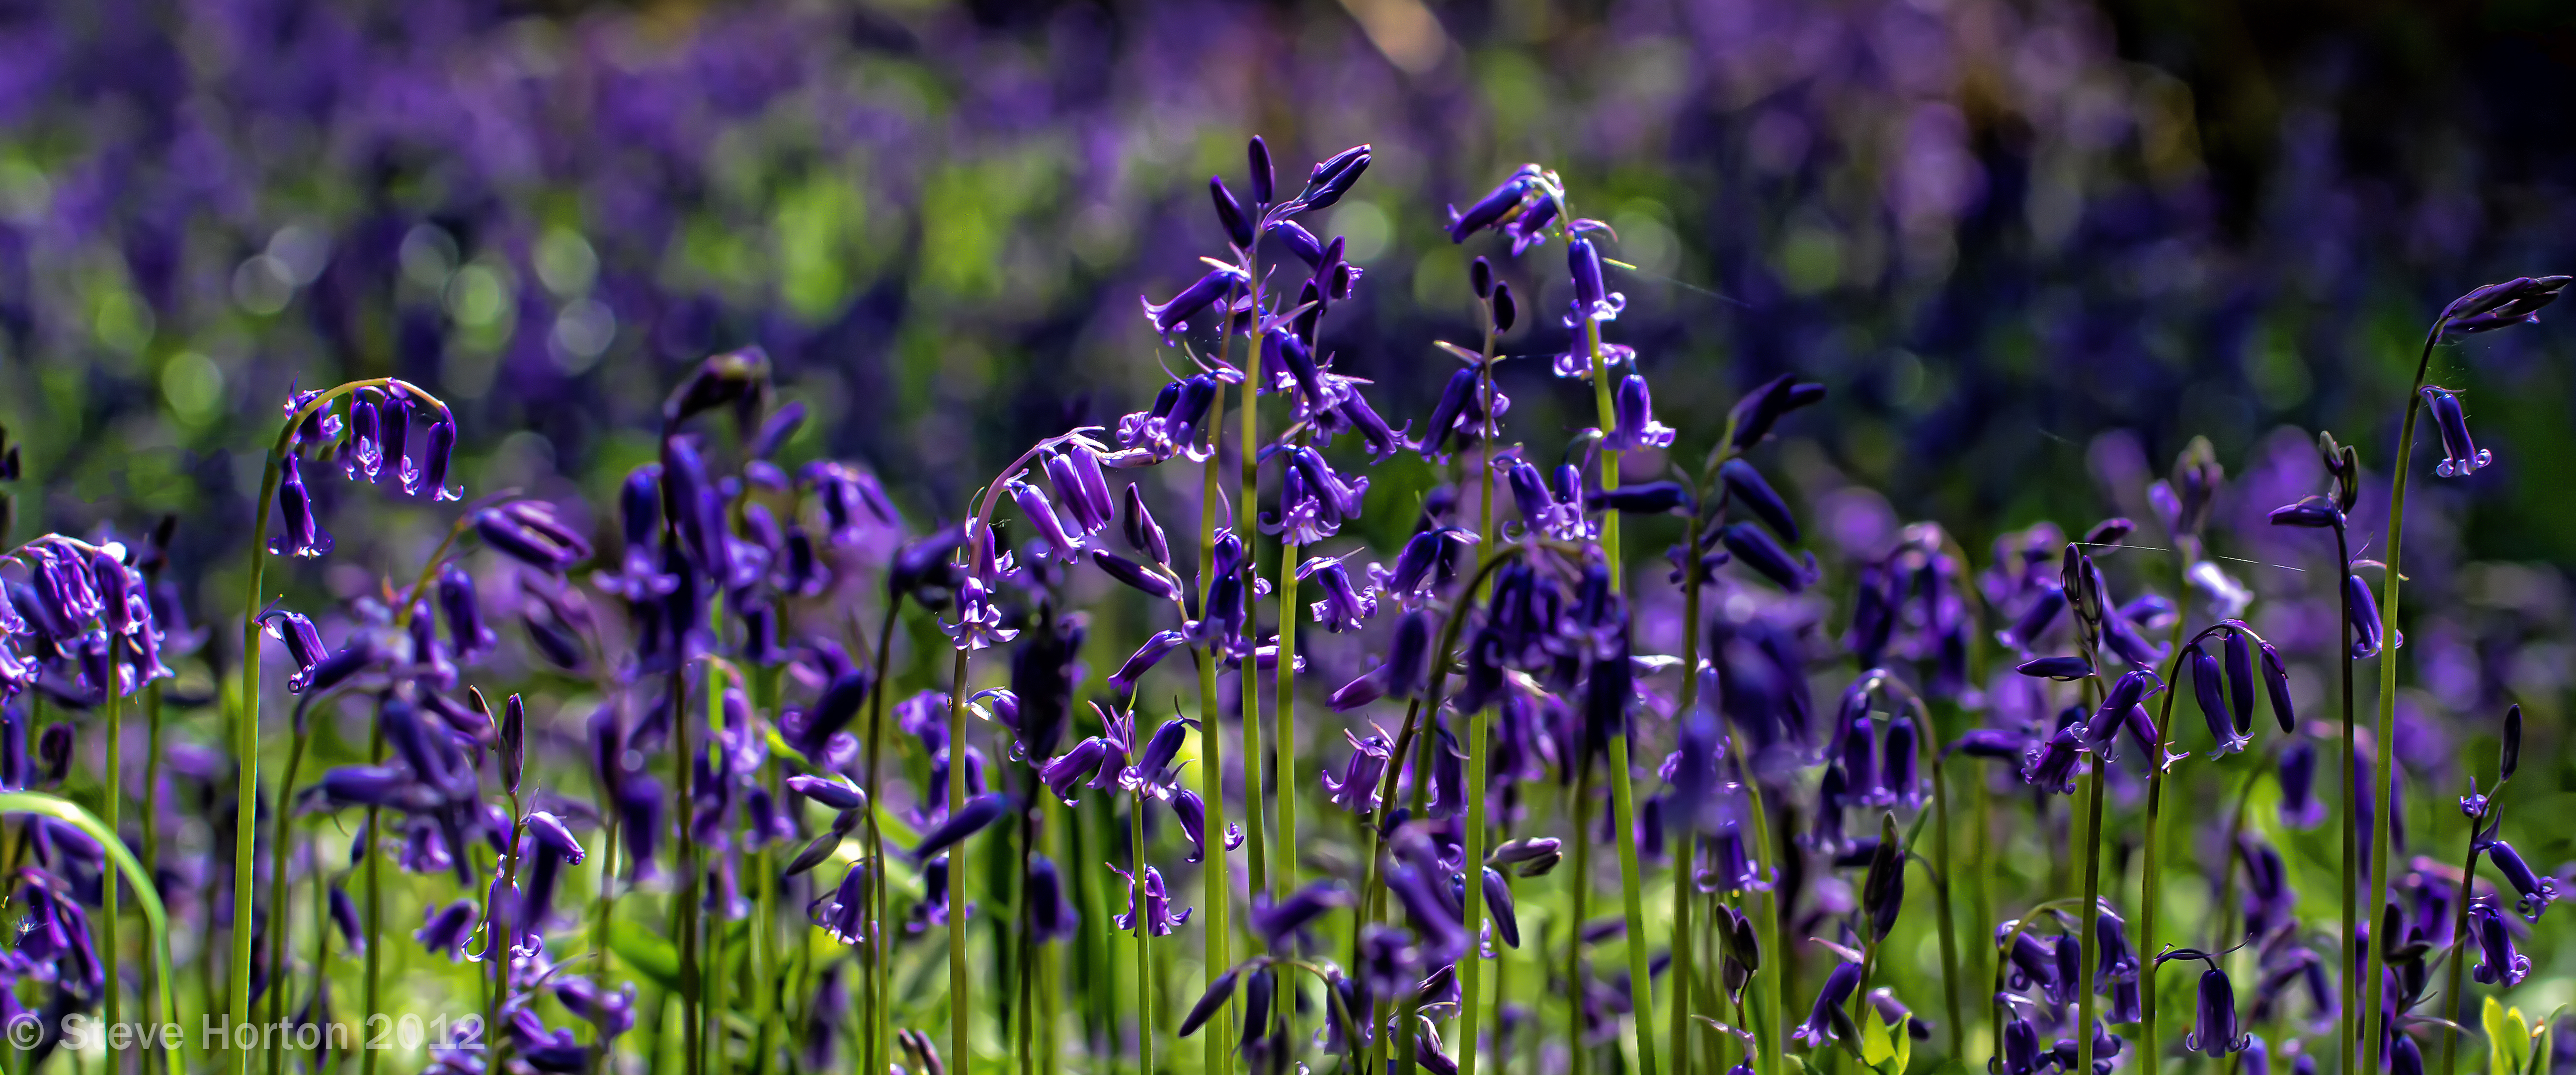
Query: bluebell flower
[(303, 536), (2214, 1030), (1357, 790), (974, 816), (2050, 766), (2063, 669), (1513, 196), (435, 458), (303, 640), (2021, 1054), (1343, 607), (1229, 214), (1153, 768), (1152, 583), (1499, 907), (2300, 806), (1299, 241), (2364, 624), (1593, 299), (979, 622), (2311, 512), (1745, 486), (1836, 992), (1452, 414), (1277, 923), (1644, 498), (842, 912), (366, 439), (2537, 891), (529, 532), (2276, 684), (1755, 549), (1143, 534), (1899, 763), (2494, 306), (2500, 963), (2239, 662), (1146, 656), (1158, 917), (444, 929), (1636, 428), (1859, 757), (1167, 316), (2460, 455), (2210, 692)]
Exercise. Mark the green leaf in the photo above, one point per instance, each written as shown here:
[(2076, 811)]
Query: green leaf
[(1875, 1049), (2517, 1042), (2492, 1018), (649, 953), (1904, 1044), (157, 920)]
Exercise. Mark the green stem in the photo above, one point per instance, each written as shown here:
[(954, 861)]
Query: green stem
[(1578, 886), (1144, 941), (2460, 932), (246, 775), (764, 933), (960, 986), (714, 981), (1471, 862), (151, 803), (2349, 943), (877, 1045), (500, 946), (375, 909), (1218, 878), (1683, 957), (2091, 916), (1623, 814), (607, 897), (2386, 773), (1283, 874), (2151, 871), (1256, 763), (278, 861), (1623, 794)]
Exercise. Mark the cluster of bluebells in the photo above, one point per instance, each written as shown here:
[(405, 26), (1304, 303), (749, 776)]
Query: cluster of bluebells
[(742, 711)]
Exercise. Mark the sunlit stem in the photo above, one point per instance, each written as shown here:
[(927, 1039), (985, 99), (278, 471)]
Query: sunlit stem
[(1622, 792), (2151, 872), (960, 987), (2090, 914), (1283, 873), (1256, 768), (2384, 773), (2349, 944), (1218, 878), (875, 1045), (1144, 939), (279, 843), (1471, 862)]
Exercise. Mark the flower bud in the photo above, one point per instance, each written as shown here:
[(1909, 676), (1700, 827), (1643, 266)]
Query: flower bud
[(1230, 214)]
